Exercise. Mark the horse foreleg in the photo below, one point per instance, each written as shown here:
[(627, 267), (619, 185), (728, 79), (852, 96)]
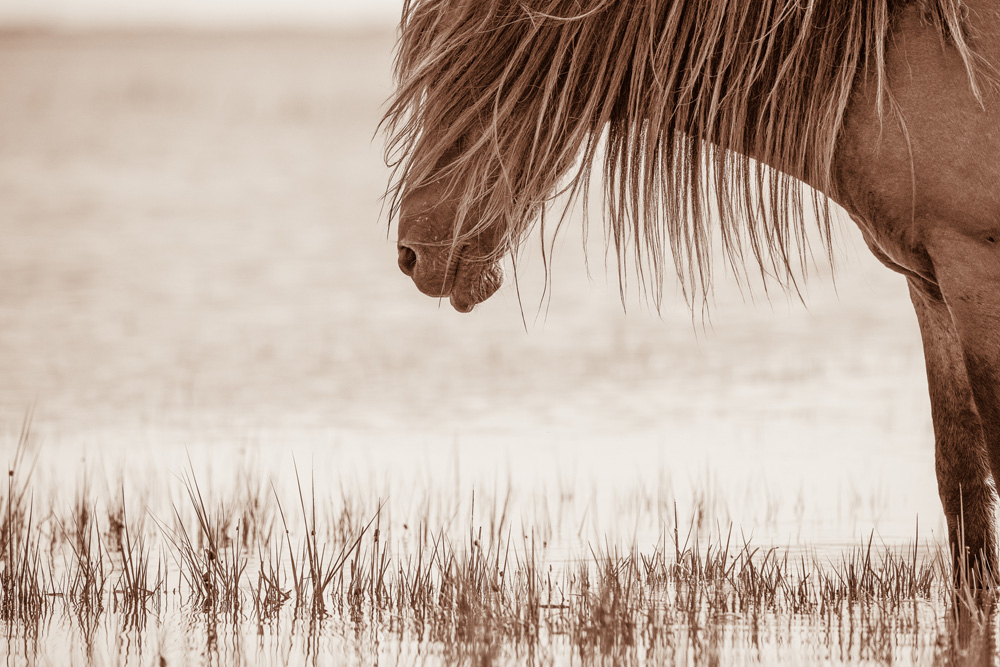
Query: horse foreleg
[(966, 258), (961, 457)]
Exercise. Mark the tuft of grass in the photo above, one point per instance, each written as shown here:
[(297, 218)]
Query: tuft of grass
[(88, 572), (315, 569), (134, 588), (24, 583), (211, 562), (270, 593)]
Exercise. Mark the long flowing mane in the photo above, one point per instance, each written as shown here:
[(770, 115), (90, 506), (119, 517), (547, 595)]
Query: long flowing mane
[(521, 98)]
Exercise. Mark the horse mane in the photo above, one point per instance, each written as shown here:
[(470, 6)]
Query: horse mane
[(519, 98)]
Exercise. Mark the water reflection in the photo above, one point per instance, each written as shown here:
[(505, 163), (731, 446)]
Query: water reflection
[(869, 633), (973, 625)]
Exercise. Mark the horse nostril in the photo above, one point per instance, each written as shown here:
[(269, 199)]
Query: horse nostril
[(407, 260)]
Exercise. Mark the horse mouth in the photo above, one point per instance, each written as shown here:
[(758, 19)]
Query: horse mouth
[(473, 282), (460, 305)]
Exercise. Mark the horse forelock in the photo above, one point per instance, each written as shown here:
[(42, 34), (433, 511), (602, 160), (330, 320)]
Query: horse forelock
[(708, 115)]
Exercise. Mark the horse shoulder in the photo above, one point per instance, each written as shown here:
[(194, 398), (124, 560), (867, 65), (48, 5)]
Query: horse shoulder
[(923, 176)]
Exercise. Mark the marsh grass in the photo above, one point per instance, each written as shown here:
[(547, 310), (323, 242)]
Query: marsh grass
[(477, 587), (25, 583)]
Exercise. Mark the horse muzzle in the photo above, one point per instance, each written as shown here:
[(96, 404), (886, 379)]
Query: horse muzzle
[(468, 272), (444, 272)]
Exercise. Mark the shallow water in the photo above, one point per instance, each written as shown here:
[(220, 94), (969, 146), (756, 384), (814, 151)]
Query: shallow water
[(194, 264)]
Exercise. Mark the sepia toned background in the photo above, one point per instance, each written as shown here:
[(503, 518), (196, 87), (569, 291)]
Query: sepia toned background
[(194, 261), (200, 14)]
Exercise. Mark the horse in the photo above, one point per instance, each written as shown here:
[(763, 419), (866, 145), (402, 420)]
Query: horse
[(743, 121)]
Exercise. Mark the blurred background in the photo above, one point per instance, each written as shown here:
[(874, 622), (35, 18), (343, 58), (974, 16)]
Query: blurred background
[(194, 259), (200, 14)]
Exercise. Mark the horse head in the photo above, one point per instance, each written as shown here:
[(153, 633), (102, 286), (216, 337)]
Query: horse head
[(486, 119)]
